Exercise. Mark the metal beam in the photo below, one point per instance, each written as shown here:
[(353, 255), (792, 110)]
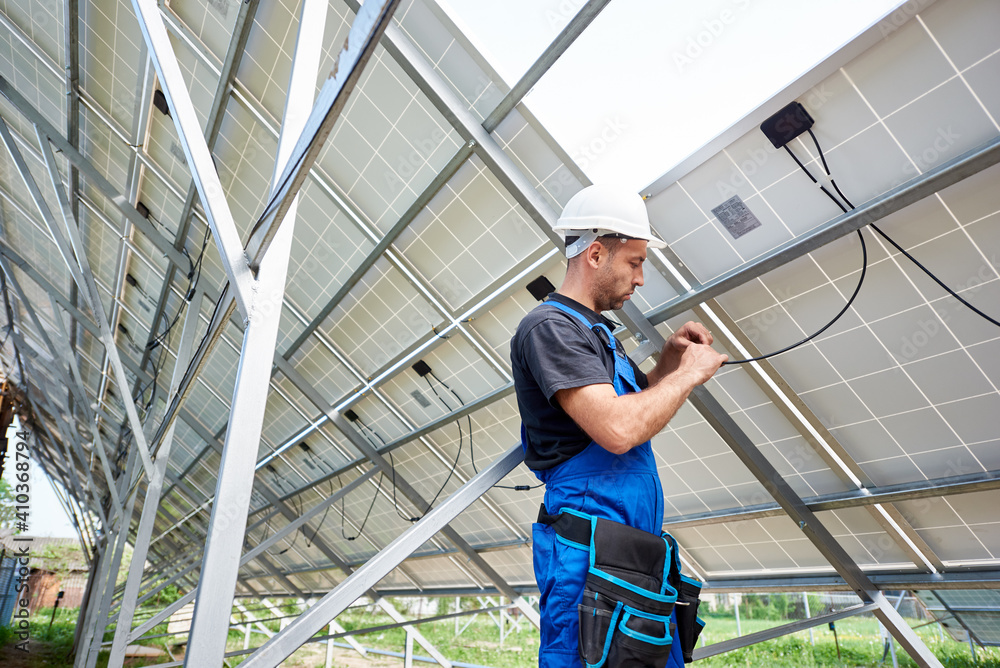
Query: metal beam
[(234, 56), (940, 177), (553, 51), (85, 281), (100, 621), (966, 578), (776, 632), (313, 620), (369, 24), (199, 158), (226, 531), (151, 501), (920, 489)]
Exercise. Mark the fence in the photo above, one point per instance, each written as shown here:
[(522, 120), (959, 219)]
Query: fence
[(8, 597)]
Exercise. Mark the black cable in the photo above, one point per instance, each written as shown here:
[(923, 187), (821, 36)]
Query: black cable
[(392, 466), (317, 460), (857, 289), (367, 515), (460, 439), (472, 451), (902, 250), (193, 276)]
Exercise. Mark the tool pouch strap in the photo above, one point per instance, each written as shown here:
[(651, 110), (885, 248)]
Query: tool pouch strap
[(630, 592)]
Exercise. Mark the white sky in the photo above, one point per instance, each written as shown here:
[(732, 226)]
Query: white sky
[(651, 81), (47, 517)]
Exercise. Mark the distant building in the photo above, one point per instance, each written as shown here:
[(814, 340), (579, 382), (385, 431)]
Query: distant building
[(56, 564)]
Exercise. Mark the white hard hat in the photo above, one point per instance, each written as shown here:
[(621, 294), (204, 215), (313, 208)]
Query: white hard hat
[(600, 210)]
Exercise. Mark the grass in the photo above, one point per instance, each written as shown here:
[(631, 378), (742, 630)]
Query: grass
[(859, 640)]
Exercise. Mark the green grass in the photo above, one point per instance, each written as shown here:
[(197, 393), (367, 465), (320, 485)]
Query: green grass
[(859, 639)]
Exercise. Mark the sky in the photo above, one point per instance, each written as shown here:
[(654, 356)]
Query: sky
[(651, 81), (46, 514)]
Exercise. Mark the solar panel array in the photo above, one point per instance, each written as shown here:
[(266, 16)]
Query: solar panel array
[(966, 612), (900, 391)]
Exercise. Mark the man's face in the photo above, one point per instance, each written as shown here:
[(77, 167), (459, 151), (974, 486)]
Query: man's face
[(619, 274)]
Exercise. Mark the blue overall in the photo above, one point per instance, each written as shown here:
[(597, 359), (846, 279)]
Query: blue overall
[(623, 488)]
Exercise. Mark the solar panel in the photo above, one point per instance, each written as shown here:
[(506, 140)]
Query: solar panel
[(413, 242)]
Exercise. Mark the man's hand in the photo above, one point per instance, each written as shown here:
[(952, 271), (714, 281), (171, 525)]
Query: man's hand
[(620, 423), (692, 335), (690, 332), (699, 362)]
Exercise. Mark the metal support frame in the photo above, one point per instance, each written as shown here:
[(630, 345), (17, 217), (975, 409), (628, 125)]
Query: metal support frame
[(776, 632), (75, 260), (199, 158), (97, 624), (246, 415), (151, 502), (529, 209), (908, 491), (311, 621)]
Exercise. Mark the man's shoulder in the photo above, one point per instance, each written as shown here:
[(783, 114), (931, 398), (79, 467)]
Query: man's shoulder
[(542, 323), (546, 315)]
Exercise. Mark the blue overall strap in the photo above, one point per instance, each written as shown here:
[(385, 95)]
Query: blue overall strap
[(624, 374)]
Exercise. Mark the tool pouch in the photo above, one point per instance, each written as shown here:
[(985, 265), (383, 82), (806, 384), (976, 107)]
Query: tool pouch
[(689, 626), (632, 586)]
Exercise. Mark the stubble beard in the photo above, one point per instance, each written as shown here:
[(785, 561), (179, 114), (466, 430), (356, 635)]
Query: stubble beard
[(607, 296)]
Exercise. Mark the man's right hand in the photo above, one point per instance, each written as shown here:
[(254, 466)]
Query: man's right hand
[(699, 362)]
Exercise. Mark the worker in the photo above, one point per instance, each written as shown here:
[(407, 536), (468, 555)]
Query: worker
[(588, 413)]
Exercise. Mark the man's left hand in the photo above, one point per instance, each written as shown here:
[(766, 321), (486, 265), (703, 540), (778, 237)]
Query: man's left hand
[(690, 332), (670, 355)]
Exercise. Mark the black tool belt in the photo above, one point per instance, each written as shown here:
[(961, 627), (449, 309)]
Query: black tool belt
[(633, 584)]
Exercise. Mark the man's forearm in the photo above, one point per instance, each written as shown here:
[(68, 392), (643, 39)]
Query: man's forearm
[(636, 418)]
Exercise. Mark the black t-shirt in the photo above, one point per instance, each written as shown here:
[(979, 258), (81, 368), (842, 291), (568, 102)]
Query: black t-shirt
[(551, 351)]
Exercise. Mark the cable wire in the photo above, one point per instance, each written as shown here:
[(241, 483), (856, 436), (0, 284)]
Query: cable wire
[(857, 288), (902, 250), (392, 465), (864, 251), (472, 450)]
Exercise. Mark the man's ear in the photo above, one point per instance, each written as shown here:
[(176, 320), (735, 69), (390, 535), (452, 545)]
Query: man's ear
[(594, 253)]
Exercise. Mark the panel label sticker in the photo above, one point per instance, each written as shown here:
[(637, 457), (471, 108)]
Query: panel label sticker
[(736, 217)]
